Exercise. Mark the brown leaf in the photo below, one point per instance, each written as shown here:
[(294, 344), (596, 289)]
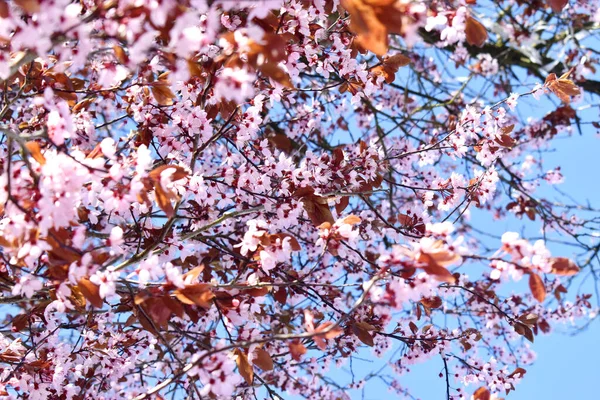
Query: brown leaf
[(371, 33), (194, 273), (397, 60), (77, 298), (353, 86), (331, 333), (482, 394), (563, 266), (562, 87), (317, 209), (413, 327), (244, 367), (518, 371), (413, 224), (365, 325), (529, 319), (163, 200), (537, 287), (91, 292), (557, 5), (29, 6), (342, 204), (390, 66), (175, 306), (120, 54), (293, 241), (433, 268), (272, 49), (141, 297), (475, 32), (178, 174), (505, 141), (297, 349), (432, 302), (199, 294), (4, 10), (351, 220), (163, 94), (281, 142), (280, 295), (558, 291), (257, 292), (20, 322), (528, 333), (35, 151), (274, 72), (83, 105), (262, 359), (157, 311), (362, 334)]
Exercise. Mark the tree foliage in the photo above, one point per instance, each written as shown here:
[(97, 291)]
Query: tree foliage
[(233, 199)]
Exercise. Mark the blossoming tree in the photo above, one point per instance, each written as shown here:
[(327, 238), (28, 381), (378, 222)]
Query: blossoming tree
[(232, 199)]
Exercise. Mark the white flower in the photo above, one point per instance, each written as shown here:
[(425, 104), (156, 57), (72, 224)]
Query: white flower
[(27, 286)]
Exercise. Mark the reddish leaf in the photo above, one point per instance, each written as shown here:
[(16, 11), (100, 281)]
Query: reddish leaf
[(351, 220), (362, 334), (175, 306), (274, 72), (280, 295), (537, 287), (432, 302), (29, 6), (342, 204), (558, 291), (434, 269), (331, 332), (563, 266), (317, 209), (390, 66), (199, 294), (371, 33), (193, 274), (163, 200), (244, 367), (262, 359), (91, 292), (529, 319), (523, 330), (257, 292), (158, 313), (562, 87), (293, 241), (373, 20), (557, 5), (20, 322), (475, 32), (413, 327), (161, 90), (178, 174), (518, 372), (4, 10), (35, 151), (482, 394), (297, 349), (281, 142)]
